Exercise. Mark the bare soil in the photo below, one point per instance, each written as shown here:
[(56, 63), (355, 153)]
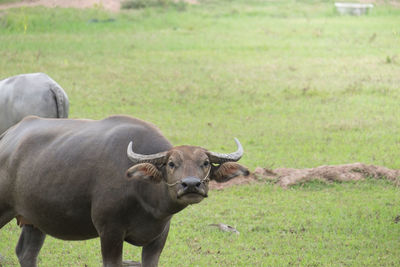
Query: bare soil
[(286, 177), (347, 172), (241, 180), (112, 5)]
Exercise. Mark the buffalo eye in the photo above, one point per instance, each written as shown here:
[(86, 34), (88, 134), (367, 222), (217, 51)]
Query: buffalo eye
[(206, 163), (171, 164)]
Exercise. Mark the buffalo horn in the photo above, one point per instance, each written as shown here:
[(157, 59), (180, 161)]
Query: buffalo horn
[(140, 158), (221, 158)]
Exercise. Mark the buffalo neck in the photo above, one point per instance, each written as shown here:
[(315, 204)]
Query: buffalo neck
[(156, 200)]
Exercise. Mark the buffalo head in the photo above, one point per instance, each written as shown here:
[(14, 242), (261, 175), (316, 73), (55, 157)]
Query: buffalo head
[(186, 170)]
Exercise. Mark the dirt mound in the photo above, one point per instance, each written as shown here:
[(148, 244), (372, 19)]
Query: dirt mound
[(347, 172), (286, 177), (236, 181), (113, 5)]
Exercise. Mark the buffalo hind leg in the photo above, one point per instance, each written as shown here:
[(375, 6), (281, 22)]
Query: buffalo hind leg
[(6, 215), (151, 252), (29, 244)]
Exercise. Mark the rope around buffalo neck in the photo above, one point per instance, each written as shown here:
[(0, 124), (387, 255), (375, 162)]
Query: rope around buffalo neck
[(206, 179)]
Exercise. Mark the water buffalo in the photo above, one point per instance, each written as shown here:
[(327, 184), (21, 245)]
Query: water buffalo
[(30, 94), (118, 179)]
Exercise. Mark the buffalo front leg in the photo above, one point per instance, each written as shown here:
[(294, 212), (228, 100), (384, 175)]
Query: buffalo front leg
[(29, 244), (152, 251), (111, 248)]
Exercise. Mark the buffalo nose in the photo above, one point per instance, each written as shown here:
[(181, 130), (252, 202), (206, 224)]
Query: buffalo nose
[(191, 182)]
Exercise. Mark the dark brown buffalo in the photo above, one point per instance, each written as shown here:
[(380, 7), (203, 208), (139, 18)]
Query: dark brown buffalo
[(118, 179)]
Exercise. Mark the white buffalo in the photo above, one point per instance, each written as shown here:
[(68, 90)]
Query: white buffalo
[(31, 94)]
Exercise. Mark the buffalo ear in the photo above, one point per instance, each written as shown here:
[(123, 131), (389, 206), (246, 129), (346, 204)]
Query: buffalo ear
[(144, 171), (229, 170)]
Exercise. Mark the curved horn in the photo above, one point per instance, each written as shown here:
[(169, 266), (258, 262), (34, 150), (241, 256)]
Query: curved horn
[(140, 158), (221, 158)]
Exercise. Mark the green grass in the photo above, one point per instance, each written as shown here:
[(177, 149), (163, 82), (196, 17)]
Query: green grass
[(342, 225), (348, 224), (299, 85), (9, 1), (300, 89)]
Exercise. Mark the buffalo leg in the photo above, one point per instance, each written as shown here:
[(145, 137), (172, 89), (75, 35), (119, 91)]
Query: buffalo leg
[(29, 244), (5, 217), (151, 252), (111, 248)]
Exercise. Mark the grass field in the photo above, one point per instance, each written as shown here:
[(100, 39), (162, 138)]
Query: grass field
[(299, 85)]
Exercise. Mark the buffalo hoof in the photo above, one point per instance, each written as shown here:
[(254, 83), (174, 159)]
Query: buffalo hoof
[(131, 264)]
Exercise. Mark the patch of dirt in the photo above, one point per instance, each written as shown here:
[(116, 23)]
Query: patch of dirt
[(112, 5), (240, 180), (286, 177), (347, 172)]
